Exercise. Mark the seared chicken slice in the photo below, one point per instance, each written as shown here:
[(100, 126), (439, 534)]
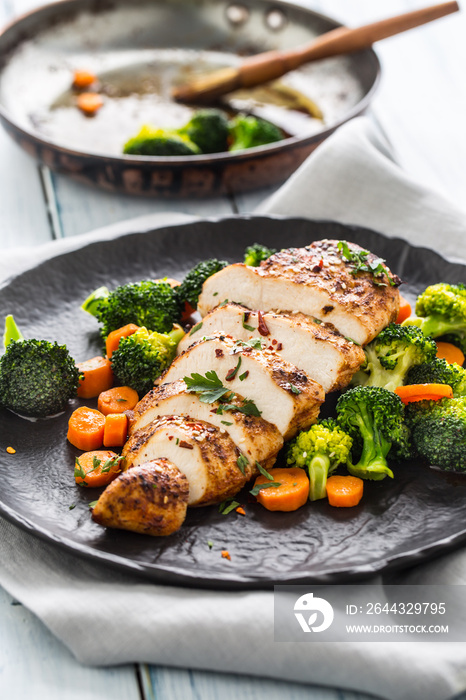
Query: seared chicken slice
[(316, 281), (211, 462), (255, 437), (283, 394), (151, 499), (315, 347)]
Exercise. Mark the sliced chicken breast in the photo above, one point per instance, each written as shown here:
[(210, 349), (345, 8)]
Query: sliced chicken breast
[(317, 281), (315, 347), (151, 499), (284, 394), (213, 465), (255, 437)]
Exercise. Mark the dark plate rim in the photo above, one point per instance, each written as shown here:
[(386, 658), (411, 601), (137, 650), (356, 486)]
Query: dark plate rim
[(175, 575), (182, 161)]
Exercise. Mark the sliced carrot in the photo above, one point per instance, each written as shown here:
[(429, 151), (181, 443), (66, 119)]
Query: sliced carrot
[(97, 468), (98, 377), (113, 339), (83, 79), (89, 102), (344, 491), (424, 392), (291, 493), (450, 353), (116, 430), (117, 400), (86, 428), (404, 311)]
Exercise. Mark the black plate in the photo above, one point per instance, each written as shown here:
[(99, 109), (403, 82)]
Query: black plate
[(417, 515)]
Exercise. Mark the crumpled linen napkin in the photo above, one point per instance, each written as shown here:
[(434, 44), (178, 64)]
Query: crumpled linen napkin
[(351, 178)]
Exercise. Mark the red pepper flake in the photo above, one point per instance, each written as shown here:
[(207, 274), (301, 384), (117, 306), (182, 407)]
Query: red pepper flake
[(318, 267), (262, 327), (279, 347), (170, 437), (274, 341), (240, 510), (218, 352), (226, 554), (11, 450), (186, 445)]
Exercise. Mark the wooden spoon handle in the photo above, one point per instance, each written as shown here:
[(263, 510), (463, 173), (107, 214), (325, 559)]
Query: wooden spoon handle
[(273, 64)]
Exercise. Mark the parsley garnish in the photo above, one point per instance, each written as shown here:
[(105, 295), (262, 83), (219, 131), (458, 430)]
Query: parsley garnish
[(248, 328), (271, 484), (242, 463), (351, 340), (295, 389), (92, 504), (224, 302), (210, 544), (255, 343), (232, 373), (248, 407), (243, 376), (358, 258), (227, 506), (209, 388), (225, 422), (72, 506), (264, 472), (196, 328)]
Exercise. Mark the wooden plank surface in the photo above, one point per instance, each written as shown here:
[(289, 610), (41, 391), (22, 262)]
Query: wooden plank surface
[(35, 665)]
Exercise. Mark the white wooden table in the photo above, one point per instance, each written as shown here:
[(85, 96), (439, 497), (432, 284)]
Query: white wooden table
[(421, 107)]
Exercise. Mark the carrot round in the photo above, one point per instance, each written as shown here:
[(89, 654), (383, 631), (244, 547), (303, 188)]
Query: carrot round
[(113, 339), (86, 428), (291, 493), (450, 353), (83, 79), (117, 400), (96, 468), (424, 392), (405, 310), (344, 491), (115, 430), (98, 377), (89, 102)]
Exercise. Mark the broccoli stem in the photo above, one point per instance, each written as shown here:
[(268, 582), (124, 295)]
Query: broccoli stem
[(94, 300), (372, 463), (433, 326), (176, 333), (318, 471), (12, 331)]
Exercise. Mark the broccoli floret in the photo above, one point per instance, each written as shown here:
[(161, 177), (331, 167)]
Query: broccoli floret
[(439, 371), (320, 450), (208, 129), (255, 253), (160, 142), (440, 311), (439, 432), (37, 377), (392, 354), (143, 356), (374, 418), (191, 287), (154, 305), (248, 132)]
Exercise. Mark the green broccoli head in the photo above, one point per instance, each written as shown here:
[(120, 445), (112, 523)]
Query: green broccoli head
[(439, 371), (440, 311), (37, 377), (374, 418), (392, 354), (319, 450), (191, 287), (438, 430), (255, 253), (160, 142), (248, 132), (208, 129), (142, 357), (154, 305)]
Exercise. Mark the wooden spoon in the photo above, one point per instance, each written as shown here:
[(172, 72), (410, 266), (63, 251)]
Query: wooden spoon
[(273, 64)]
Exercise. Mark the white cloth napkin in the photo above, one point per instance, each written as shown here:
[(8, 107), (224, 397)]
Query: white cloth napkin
[(351, 178)]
